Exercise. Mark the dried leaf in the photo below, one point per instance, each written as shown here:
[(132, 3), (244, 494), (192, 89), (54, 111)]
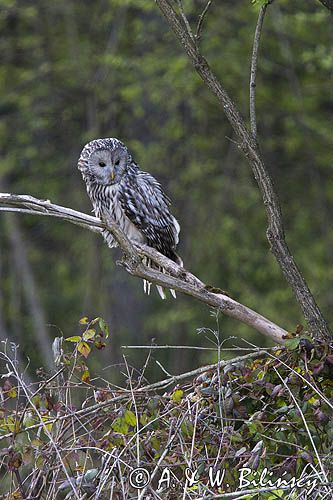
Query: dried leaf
[(318, 369), (100, 345), (15, 461), (84, 349)]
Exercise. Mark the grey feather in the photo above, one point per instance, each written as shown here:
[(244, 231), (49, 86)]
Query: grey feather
[(133, 198)]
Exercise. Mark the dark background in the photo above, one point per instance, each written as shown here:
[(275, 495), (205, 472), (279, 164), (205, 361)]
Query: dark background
[(74, 71)]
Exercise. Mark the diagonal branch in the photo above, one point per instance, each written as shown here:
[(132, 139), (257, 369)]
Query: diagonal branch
[(253, 72), (175, 277), (247, 144), (201, 20)]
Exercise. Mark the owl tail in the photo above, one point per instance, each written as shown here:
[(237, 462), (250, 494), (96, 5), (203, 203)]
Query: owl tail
[(160, 289)]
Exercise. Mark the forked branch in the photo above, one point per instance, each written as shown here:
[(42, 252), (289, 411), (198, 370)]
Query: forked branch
[(175, 277), (248, 145)]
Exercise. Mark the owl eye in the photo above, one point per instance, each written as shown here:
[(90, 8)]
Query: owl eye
[(117, 162), (102, 164)]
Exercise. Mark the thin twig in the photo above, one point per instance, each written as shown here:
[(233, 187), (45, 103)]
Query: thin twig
[(305, 424), (43, 425), (151, 387), (188, 347), (201, 20), (136, 413), (185, 20), (193, 373), (164, 454), (21, 486), (253, 76)]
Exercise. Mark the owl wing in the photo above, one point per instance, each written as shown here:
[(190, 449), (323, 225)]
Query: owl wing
[(147, 207)]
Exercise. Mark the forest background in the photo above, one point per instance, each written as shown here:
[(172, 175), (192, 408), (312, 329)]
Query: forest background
[(74, 71)]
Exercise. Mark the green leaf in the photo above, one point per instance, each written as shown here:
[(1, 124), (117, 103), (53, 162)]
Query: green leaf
[(89, 334), (293, 343), (12, 393), (119, 425), (12, 424), (155, 443), (130, 418), (187, 428), (177, 396), (104, 327), (90, 474), (276, 494), (75, 338)]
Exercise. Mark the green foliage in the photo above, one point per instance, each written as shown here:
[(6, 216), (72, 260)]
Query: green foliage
[(90, 337)]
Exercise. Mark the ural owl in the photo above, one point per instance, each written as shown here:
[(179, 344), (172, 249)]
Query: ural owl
[(134, 199)]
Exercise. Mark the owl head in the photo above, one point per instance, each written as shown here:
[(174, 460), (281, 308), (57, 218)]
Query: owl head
[(104, 161)]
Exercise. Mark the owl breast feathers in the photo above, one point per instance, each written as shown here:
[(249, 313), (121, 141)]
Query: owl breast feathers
[(134, 199)]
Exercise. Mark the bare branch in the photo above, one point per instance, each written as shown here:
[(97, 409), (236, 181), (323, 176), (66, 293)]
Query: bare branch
[(275, 231), (162, 384), (176, 277), (202, 369), (201, 20), (254, 61), (185, 20)]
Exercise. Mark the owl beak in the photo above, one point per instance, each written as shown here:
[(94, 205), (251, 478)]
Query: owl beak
[(113, 175)]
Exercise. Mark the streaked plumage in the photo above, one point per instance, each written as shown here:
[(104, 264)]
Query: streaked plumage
[(116, 186)]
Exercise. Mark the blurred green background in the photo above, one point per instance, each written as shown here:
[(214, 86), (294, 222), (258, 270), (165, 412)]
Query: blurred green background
[(74, 71)]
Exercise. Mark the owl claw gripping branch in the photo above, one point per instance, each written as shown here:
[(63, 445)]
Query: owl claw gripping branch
[(134, 199)]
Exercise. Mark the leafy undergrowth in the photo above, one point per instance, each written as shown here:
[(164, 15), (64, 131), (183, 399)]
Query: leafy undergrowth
[(259, 426)]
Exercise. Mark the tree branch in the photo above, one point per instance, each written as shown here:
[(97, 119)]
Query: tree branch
[(253, 72), (247, 144), (201, 20), (175, 277)]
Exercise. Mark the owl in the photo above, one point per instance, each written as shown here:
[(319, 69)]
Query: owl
[(134, 199)]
